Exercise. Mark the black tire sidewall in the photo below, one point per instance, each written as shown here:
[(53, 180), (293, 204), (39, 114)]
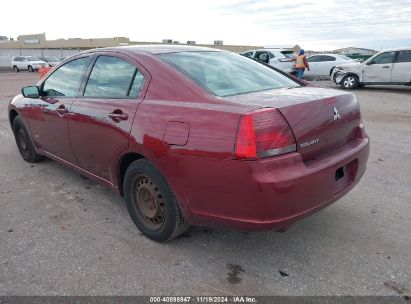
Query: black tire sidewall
[(30, 155), (30, 69), (144, 167)]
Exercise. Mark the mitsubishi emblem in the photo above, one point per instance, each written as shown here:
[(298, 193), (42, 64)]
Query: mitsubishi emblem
[(336, 114)]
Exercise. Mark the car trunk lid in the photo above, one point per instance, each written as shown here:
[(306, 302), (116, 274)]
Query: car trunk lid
[(321, 119)]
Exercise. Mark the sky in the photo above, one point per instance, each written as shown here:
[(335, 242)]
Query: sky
[(313, 24)]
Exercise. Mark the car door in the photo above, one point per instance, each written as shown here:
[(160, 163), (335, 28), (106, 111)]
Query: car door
[(22, 63), (313, 62), (325, 65), (101, 119), (401, 71), (378, 69), (49, 114)]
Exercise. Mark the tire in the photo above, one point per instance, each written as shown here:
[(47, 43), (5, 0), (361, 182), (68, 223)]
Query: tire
[(16, 69), (151, 203), (24, 142), (30, 68), (350, 82)]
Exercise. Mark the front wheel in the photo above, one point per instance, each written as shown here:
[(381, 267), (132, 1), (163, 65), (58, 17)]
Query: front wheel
[(151, 203), (30, 68), (350, 82), (16, 69), (24, 143)]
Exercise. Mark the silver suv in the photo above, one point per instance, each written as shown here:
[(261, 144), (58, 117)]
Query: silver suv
[(28, 63), (389, 67), (279, 58)]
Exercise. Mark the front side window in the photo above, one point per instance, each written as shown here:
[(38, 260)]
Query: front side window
[(384, 58), (113, 77), (404, 56), (225, 74), (65, 80)]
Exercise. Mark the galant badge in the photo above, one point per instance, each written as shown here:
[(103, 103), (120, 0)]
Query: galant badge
[(337, 116)]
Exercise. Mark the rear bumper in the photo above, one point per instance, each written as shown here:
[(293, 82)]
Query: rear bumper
[(270, 193)]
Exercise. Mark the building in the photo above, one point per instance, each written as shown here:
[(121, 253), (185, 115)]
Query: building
[(38, 45)]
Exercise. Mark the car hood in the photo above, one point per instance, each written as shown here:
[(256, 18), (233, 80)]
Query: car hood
[(350, 66)]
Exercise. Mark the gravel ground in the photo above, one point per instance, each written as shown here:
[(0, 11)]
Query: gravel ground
[(61, 234)]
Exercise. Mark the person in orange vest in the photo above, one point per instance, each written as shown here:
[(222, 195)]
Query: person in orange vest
[(301, 64)]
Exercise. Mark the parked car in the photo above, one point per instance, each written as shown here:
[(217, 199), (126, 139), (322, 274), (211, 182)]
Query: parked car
[(324, 64), (195, 136), (51, 60), (279, 58), (28, 63), (389, 67)]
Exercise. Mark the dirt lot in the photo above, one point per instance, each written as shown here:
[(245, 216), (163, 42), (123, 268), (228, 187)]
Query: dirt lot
[(61, 234)]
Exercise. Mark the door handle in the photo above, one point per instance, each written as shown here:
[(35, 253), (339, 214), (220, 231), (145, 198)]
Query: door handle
[(62, 110), (385, 67), (118, 115)]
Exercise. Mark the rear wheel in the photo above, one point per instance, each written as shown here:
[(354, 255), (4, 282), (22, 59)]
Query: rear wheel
[(30, 68), (16, 69), (151, 203), (350, 82), (24, 142)]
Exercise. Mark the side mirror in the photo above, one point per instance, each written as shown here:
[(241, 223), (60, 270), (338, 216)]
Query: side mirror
[(30, 92)]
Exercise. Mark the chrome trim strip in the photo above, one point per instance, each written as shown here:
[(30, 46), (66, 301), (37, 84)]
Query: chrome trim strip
[(274, 152)]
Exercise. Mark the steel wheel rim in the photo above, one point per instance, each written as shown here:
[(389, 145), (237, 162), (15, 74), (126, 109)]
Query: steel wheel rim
[(149, 202), (349, 82)]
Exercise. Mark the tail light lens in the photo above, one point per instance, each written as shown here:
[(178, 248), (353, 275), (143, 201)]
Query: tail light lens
[(263, 133)]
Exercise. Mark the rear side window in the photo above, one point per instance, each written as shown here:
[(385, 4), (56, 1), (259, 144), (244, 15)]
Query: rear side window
[(384, 58), (288, 54), (65, 80), (113, 77), (314, 59), (404, 56), (248, 54), (225, 74), (327, 58)]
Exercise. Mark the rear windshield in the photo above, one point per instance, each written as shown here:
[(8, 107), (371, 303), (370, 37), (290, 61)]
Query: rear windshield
[(225, 74), (289, 54)]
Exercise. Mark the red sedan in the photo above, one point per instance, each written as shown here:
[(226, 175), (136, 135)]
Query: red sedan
[(195, 136)]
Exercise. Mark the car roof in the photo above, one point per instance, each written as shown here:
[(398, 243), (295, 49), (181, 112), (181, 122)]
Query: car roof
[(161, 49), (404, 48)]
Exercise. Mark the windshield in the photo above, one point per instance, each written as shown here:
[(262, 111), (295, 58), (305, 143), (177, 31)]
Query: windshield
[(289, 54), (51, 59), (224, 73), (345, 57)]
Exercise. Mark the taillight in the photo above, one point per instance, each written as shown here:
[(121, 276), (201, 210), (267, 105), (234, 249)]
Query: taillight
[(263, 133)]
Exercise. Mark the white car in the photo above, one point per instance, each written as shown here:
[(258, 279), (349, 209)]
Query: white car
[(281, 59), (51, 61), (28, 63), (324, 64), (391, 67)]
